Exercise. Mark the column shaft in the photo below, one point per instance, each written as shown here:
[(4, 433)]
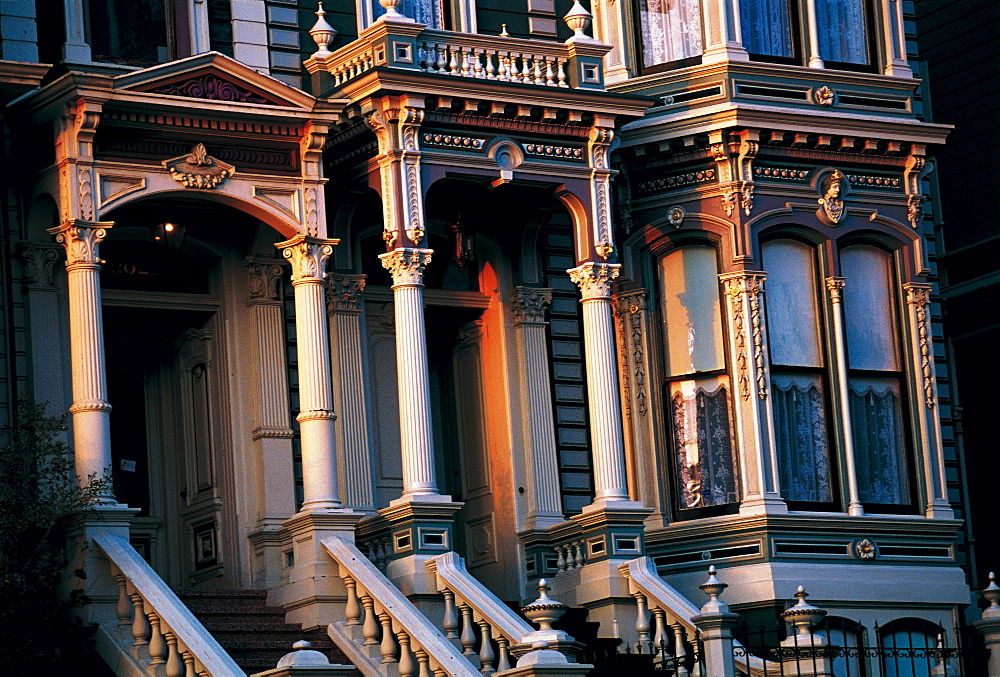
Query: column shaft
[(834, 285)]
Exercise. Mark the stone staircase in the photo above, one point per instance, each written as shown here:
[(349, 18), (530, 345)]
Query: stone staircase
[(252, 633)]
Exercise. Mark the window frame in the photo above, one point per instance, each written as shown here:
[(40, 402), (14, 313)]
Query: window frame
[(872, 42), (640, 46)]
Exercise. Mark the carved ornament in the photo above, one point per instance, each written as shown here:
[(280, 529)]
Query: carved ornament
[(39, 267), (866, 549), (529, 304), (210, 87), (735, 171), (594, 279), (675, 216), (824, 96), (918, 296), (406, 266), (916, 167), (198, 169), (629, 309), (264, 282), (345, 292), (832, 188), (308, 256), (744, 289), (81, 239)]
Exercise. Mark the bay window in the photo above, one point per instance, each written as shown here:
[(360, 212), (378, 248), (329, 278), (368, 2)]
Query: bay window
[(671, 30), (697, 386)]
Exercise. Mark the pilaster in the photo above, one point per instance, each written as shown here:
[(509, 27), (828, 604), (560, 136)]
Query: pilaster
[(751, 393), (46, 331), (895, 40), (345, 303), (723, 33), (537, 425)]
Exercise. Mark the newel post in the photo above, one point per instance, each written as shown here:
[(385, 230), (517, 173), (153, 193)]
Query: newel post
[(716, 624)]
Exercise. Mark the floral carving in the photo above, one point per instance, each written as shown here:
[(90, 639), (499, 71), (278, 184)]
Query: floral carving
[(211, 87), (824, 96), (749, 285), (865, 549), (629, 312), (529, 304), (39, 265), (675, 216), (198, 169), (308, 257), (264, 282), (81, 240), (594, 279), (918, 296)]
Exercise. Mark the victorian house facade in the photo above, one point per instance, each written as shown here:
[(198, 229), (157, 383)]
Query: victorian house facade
[(603, 297)]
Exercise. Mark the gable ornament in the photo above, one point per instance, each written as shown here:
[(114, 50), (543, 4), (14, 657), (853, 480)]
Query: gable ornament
[(198, 169)]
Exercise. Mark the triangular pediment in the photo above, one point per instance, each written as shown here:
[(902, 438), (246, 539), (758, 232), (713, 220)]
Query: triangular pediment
[(214, 77)]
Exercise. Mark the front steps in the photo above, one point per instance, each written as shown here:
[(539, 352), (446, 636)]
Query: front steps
[(254, 634)]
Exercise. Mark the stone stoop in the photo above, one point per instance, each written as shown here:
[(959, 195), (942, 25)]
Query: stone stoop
[(254, 634)]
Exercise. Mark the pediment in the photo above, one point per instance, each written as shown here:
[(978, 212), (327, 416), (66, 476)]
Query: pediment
[(214, 77)]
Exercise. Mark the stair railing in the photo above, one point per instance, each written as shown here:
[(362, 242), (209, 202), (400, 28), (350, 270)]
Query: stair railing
[(667, 613), (468, 604), (383, 632), (154, 626)]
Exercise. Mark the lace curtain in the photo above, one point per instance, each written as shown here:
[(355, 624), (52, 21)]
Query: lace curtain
[(422, 11), (876, 421), (767, 27), (841, 27), (706, 466), (801, 438), (671, 30)]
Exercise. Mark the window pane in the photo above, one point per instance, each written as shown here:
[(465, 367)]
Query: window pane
[(792, 314), (800, 435), (128, 31), (767, 27), (877, 431), (706, 465), (841, 27), (671, 30), (868, 309), (691, 311)]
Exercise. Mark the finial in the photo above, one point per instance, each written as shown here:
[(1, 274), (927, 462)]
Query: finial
[(803, 616), (322, 34), (303, 656), (545, 611), (302, 644), (503, 31), (391, 14), (991, 593), (713, 587), (578, 19)]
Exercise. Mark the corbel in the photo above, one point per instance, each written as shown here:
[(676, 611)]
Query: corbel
[(735, 168), (915, 169)]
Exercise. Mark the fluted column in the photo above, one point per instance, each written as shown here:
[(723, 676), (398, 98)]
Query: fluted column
[(316, 418), (929, 434), (416, 441), (345, 303), (834, 286), (544, 505), (605, 408), (90, 408), (751, 401)]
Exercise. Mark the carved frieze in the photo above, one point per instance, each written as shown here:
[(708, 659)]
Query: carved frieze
[(529, 304), (211, 87), (198, 169), (594, 279)]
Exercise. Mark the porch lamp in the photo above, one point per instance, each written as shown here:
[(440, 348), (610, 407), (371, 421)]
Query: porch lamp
[(463, 240), (169, 234)]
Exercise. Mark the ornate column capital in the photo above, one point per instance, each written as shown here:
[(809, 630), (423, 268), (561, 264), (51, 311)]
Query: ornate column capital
[(39, 264), (406, 266), (594, 279), (345, 293), (744, 282), (529, 304), (308, 257), (264, 281), (81, 240), (835, 285), (917, 293)]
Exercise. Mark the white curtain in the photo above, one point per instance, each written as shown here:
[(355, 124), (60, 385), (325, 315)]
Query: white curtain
[(842, 35), (767, 27), (671, 30)]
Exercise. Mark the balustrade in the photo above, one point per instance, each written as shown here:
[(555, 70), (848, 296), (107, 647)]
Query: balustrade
[(504, 64)]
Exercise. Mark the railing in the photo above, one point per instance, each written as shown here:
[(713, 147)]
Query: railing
[(466, 600), (383, 633), (155, 631)]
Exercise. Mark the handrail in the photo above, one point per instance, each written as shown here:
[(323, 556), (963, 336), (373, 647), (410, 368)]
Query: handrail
[(159, 619), (452, 576), (388, 612)]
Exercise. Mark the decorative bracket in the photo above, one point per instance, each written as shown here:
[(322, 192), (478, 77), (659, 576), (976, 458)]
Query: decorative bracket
[(736, 169)]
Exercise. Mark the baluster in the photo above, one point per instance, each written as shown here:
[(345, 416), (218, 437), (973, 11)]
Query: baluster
[(188, 664), (537, 69), (641, 620), (490, 71), (441, 62), (370, 629), (388, 646), (561, 72), (504, 662), (660, 636), (525, 69), (561, 562), (468, 638), (407, 666), (352, 610), (422, 52), (679, 651), (464, 70), (157, 645), (450, 622), (424, 661), (549, 73), (486, 655), (382, 555), (477, 64), (140, 626), (175, 666), (503, 65), (439, 672), (124, 607), (580, 561), (452, 61)]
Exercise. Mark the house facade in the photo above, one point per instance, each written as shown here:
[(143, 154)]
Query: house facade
[(603, 296)]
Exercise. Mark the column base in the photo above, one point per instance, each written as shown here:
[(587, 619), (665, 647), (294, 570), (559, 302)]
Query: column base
[(940, 511), (763, 505), (418, 530), (616, 505), (429, 498)]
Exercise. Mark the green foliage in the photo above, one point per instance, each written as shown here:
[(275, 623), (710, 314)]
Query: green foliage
[(38, 488)]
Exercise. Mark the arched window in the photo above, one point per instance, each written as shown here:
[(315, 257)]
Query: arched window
[(846, 638), (697, 386), (907, 648)]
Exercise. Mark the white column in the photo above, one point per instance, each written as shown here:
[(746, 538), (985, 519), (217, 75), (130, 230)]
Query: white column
[(416, 440), (895, 40), (316, 418), (542, 466), (752, 394), (90, 409), (723, 41), (345, 303), (834, 285), (604, 397), (928, 439), (815, 60), (75, 48)]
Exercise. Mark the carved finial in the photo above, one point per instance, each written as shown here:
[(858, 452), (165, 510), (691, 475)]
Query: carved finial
[(503, 31), (545, 611), (991, 593), (322, 33), (578, 19), (713, 587), (391, 14), (803, 616)]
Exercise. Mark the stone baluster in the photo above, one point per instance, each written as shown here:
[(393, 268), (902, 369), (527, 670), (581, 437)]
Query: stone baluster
[(641, 621), (503, 663), (561, 560), (175, 665), (189, 669), (468, 636), (449, 622), (140, 624), (486, 655), (157, 644), (123, 609), (581, 559), (388, 645), (423, 663), (369, 630), (680, 652), (407, 666), (660, 636), (352, 610)]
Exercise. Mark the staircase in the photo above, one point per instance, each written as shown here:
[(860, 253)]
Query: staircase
[(254, 634)]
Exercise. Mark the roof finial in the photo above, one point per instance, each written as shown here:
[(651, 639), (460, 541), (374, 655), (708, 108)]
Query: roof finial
[(578, 18), (322, 34)]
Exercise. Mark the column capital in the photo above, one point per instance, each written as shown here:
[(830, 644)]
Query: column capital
[(39, 264), (406, 266), (308, 257), (744, 282), (264, 281), (835, 286), (529, 304), (81, 240), (594, 279), (918, 293), (345, 293)]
